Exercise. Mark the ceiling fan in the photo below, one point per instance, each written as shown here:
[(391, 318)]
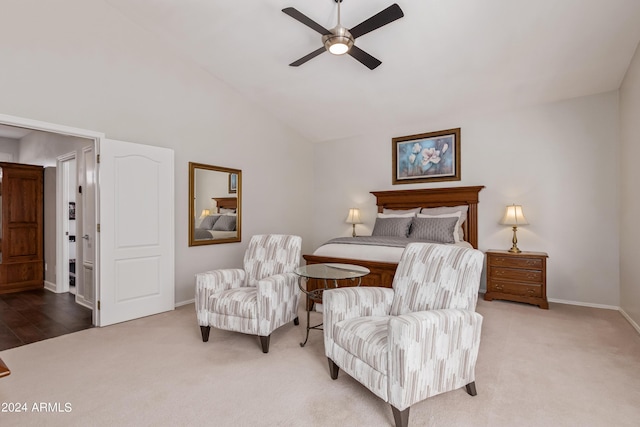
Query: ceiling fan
[(340, 40)]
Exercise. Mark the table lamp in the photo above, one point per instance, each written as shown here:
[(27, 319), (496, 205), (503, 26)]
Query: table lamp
[(514, 217), (354, 218)]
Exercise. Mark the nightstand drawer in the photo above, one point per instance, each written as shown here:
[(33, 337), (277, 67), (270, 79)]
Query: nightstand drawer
[(516, 262), (513, 274), (512, 288)]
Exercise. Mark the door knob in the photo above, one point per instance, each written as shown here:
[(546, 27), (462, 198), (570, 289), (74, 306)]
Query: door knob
[(86, 237)]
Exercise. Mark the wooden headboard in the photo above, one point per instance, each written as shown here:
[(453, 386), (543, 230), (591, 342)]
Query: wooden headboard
[(226, 202), (433, 198)]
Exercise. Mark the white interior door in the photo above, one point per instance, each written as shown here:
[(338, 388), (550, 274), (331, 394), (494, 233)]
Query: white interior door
[(136, 237), (86, 230), (65, 186)]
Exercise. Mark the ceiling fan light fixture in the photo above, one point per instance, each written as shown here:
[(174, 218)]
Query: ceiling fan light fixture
[(338, 42), (338, 48)]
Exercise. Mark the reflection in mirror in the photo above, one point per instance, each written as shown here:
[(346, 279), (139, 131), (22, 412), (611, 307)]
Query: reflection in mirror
[(215, 213)]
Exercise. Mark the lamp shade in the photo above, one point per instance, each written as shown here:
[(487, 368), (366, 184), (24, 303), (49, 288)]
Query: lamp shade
[(513, 216), (354, 216), (205, 212)]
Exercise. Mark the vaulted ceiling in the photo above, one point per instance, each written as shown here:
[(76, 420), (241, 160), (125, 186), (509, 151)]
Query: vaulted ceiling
[(441, 58)]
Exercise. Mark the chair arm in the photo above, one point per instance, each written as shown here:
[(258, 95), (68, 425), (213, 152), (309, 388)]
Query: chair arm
[(431, 352), (211, 282), (278, 297), (346, 303)]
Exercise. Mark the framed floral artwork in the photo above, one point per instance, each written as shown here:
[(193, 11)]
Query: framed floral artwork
[(427, 157)]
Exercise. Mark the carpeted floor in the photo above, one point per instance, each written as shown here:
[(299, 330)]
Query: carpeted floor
[(567, 366)]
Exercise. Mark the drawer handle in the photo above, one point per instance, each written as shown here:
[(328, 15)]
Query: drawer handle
[(498, 287)]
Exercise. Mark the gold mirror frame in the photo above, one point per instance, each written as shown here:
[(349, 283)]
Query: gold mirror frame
[(232, 195)]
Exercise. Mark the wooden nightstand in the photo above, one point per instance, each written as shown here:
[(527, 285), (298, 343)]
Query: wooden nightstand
[(517, 277)]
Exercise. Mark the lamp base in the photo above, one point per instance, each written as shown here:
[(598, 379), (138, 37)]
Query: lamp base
[(514, 242), (354, 226)]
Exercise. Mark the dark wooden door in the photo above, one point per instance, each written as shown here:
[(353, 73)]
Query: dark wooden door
[(21, 267)]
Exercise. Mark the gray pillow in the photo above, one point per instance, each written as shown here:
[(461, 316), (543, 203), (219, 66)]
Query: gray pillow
[(450, 209), (438, 230), (208, 222), (225, 223), (396, 227)]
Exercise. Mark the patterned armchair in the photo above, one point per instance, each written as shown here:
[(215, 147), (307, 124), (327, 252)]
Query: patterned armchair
[(255, 300), (414, 341)]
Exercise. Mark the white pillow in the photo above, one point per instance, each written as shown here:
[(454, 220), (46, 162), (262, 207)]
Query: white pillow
[(456, 235), (404, 215), (400, 211)]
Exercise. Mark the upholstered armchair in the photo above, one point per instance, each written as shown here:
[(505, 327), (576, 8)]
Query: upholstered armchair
[(257, 299), (414, 341)]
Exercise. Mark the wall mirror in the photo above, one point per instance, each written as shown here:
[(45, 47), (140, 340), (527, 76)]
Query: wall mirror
[(215, 213)]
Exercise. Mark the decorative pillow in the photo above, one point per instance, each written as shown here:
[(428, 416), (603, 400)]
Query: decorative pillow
[(404, 215), (456, 234), (227, 211), (225, 223), (208, 222), (440, 230), (400, 211), (394, 227), (463, 209)]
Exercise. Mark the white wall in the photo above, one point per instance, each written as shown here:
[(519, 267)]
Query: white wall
[(50, 225), (9, 146), (559, 161), (43, 148), (630, 197), (79, 63)]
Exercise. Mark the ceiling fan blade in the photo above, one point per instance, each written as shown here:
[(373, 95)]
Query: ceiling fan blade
[(362, 56), (299, 16), (378, 20), (308, 57)]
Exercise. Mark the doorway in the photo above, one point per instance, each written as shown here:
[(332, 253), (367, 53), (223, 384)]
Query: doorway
[(63, 176), (66, 240), (132, 275)]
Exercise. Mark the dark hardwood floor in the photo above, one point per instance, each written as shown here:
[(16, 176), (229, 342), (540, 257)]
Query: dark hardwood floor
[(30, 316)]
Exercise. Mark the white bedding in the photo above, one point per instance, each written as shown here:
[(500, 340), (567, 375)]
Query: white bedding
[(368, 252), (215, 234)]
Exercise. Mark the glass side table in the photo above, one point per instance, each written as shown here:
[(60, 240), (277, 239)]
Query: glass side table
[(329, 274)]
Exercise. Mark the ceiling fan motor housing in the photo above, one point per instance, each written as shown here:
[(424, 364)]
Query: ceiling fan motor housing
[(339, 36)]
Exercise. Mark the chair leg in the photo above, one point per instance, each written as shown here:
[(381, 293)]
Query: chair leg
[(264, 341), (204, 330), (296, 321), (401, 417), (471, 388), (333, 369)]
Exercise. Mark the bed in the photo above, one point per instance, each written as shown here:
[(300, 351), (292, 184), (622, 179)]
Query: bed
[(382, 269), (211, 228)]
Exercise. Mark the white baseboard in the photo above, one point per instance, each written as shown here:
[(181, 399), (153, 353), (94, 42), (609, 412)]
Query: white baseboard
[(630, 320), (180, 304), (50, 286), (584, 304)]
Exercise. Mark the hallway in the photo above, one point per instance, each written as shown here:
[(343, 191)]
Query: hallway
[(30, 316)]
